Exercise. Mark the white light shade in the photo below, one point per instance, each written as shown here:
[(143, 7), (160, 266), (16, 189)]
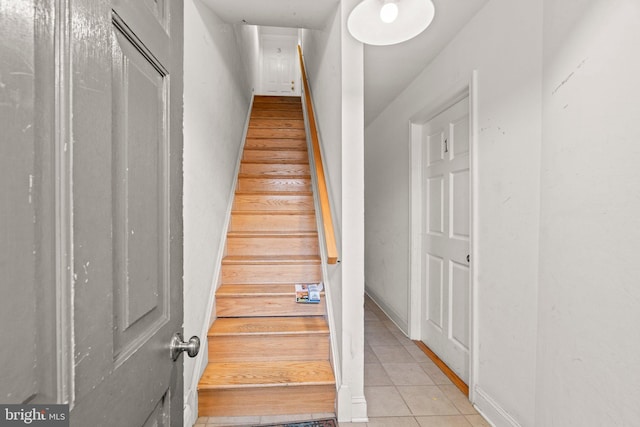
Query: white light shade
[(389, 12), (366, 25)]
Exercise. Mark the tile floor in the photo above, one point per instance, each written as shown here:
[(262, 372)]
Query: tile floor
[(403, 387)]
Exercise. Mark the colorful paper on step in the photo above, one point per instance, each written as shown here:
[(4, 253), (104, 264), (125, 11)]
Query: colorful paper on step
[(308, 292)]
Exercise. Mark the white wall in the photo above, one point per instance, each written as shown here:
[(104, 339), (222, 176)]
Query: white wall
[(589, 333), (217, 93), (504, 43), (335, 69)]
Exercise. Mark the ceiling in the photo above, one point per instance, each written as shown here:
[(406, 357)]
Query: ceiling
[(388, 69)]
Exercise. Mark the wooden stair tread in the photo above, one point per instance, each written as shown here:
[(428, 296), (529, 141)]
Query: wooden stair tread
[(268, 326), (272, 176), (283, 234), (272, 260), (257, 290), (267, 193), (284, 213), (266, 374)]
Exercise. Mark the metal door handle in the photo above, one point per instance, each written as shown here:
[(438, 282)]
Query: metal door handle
[(178, 345)]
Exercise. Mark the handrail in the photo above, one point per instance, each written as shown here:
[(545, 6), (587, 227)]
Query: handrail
[(323, 194)]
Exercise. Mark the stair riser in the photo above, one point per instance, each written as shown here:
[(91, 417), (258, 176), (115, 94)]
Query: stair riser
[(248, 202), (276, 144), (248, 246), (274, 222), (273, 184), (268, 169), (276, 123), (267, 401), (258, 274), (279, 305), (268, 347), (275, 133), (257, 156), (262, 113)]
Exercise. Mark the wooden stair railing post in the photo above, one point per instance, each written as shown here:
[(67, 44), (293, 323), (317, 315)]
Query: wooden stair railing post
[(323, 193)]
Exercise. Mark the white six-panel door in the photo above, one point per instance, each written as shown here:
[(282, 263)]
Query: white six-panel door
[(446, 233), (279, 67)]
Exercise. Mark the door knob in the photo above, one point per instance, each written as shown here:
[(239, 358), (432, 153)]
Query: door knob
[(178, 346)]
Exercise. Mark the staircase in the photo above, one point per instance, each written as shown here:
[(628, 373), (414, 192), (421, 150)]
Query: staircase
[(269, 355)]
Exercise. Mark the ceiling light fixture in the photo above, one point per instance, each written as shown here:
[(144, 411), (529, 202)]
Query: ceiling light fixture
[(387, 22), (389, 12)]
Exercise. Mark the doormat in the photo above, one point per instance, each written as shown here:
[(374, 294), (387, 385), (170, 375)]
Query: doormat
[(329, 422)]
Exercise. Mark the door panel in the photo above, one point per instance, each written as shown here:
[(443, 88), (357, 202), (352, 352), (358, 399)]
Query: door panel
[(140, 152), (127, 227), (446, 283)]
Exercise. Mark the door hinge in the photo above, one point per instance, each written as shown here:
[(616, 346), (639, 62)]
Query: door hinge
[(446, 146)]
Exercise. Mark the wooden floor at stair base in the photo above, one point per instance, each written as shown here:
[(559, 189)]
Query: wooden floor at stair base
[(267, 401)]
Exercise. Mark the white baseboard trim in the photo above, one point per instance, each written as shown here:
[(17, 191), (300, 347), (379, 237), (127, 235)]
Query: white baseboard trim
[(492, 411), (395, 318)]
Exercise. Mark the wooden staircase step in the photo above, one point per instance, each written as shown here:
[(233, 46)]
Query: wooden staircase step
[(256, 222), (299, 144), (269, 326), (280, 133), (251, 184), (263, 300), (268, 113), (276, 202), (266, 374), (275, 169), (258, 156), (274, 123), (277, 98), (268, 388), (244, 339), (271, 260), (269, 272), (273, 244)]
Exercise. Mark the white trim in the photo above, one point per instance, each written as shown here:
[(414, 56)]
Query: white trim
[(491, 411), (63, 200), (465, 89), (390, 312), (191, 396), (474, 330)]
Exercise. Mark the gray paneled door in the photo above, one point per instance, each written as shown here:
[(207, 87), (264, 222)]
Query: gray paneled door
[(91, 255)]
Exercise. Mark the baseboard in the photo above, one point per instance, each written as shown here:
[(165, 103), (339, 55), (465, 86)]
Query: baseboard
[(191, 389), (391, 314), (492, 411)]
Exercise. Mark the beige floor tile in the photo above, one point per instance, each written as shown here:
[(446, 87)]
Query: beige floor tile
[(323, 416), (394, 354), (447, 421), (381, 338), (202, 420), (385, 401), (435, 373), (231, 421), (402, 338), (458, 398), (418, 354), (392, 422), (427, 400), (369, 355), (273, 419), (477, 421), (199, 425), (375, 374), (352, 424), (406, 374)]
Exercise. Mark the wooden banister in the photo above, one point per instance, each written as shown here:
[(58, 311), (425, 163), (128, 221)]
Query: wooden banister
[(323, 194)]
